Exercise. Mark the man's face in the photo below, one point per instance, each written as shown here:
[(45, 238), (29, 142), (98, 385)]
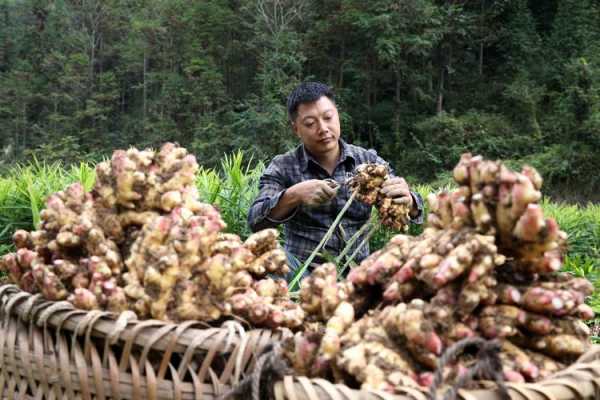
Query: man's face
[(318, 126)]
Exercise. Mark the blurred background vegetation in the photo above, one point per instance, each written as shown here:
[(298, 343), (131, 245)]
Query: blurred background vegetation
[(421, 81)]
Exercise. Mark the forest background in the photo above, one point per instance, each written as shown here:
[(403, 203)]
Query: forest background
[(421, 81)]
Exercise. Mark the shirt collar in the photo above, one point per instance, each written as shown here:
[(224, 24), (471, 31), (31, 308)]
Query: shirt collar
[(304, 156)]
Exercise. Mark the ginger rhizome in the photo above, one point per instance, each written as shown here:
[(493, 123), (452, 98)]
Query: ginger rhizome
[(486, 266), (142, 240), (367, 182)]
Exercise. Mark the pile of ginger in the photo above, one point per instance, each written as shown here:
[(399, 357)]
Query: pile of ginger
[(142, 240), (488, 265)]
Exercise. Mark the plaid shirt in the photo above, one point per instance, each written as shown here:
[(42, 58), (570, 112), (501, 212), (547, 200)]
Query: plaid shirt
[(306, 226)]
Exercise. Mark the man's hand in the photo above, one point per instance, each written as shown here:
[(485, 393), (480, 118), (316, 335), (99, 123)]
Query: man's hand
[(313, 192), (398, 190), (310, 193)]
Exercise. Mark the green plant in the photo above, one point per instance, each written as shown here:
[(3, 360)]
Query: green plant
[(582, 225), (66, 149), (232, 190), (298, 275), (565, 166), (5, 248)]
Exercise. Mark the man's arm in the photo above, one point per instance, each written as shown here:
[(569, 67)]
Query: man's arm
[(271, 188), (276, 203)]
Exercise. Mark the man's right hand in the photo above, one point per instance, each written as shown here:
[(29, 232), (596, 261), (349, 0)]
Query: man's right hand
[(313, 192), (310, 193)]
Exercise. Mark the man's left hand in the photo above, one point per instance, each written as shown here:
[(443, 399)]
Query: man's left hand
[(398, 190)]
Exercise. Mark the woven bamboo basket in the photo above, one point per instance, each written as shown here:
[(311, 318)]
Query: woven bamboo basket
[(52, 350)]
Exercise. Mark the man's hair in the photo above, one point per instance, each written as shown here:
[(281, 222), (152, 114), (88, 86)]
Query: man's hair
[(307, 92)]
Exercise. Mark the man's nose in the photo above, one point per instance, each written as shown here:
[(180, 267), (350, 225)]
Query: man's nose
[(323, 127)]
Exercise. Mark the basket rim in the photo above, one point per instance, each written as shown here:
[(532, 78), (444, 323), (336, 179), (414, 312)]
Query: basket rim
[(580, 380), (127, 329)]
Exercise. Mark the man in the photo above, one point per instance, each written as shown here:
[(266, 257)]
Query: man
[(293, 189)]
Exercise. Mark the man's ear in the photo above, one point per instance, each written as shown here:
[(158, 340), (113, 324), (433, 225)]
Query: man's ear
[(294, 128)]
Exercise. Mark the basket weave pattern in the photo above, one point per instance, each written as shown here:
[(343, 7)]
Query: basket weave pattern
[(52, 350)]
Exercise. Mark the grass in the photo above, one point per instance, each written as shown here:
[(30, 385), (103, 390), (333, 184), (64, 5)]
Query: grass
[(582, 224)]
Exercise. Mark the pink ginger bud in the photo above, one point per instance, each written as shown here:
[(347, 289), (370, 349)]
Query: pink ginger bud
[(21, 239), (25, 257), (530, 224)]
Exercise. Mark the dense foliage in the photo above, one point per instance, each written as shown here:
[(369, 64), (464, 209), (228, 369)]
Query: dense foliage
[(419, 80)]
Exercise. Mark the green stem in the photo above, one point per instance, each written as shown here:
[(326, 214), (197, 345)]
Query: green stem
[(326, 238), (355, 252), (353, 239)]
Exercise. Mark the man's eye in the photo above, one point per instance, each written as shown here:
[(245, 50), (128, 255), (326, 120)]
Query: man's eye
[(309, 124)]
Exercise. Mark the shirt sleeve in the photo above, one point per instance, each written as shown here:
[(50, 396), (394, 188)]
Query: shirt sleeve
[(271, 187), (417, 198)]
